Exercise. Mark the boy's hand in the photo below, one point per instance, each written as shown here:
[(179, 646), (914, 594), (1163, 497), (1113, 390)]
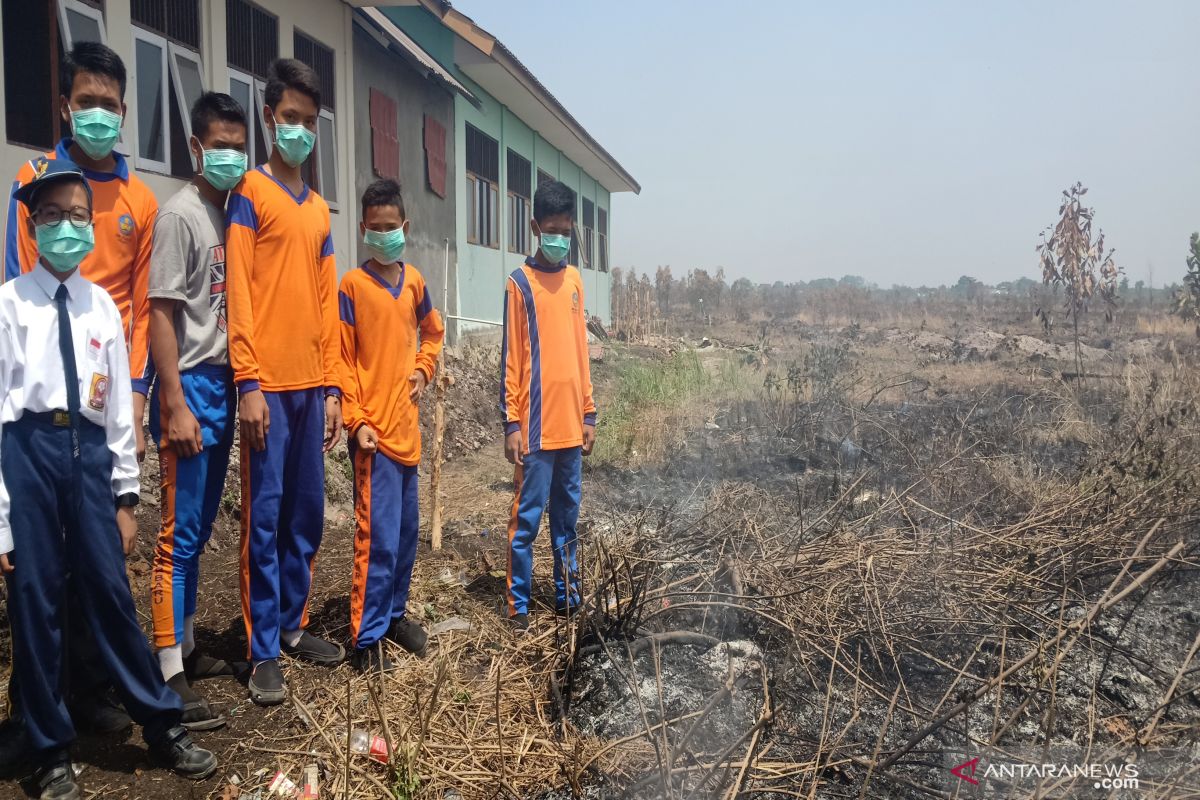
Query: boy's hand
[(256, 419), (333, 421), (127, 524), (6, 564), (589, 439), (183, 431), (139, 433), (417, 384), (366, 439), (512, 448)]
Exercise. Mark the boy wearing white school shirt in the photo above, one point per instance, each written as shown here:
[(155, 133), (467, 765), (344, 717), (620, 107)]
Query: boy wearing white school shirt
[(68, 485)]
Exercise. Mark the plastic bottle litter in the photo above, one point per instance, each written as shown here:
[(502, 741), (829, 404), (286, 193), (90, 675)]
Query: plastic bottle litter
[(283, 786), (364, 743)]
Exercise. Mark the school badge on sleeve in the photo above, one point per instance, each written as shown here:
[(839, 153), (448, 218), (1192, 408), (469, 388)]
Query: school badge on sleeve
[(99, 391)]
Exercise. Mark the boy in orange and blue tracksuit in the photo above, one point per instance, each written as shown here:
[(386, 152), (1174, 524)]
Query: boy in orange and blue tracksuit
[(546, 400), (284, 350), (384, 305)]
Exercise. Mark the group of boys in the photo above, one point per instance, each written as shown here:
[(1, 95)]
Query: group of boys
[(226, 302)]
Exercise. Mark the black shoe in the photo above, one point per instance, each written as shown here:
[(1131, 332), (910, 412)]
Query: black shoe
[(100, 714), (372, 660), (199, 666), (176, 751), (316, 650), (266, 684), (197, 715), (14, 748), (409, 635), (56, 780), (519, 623)]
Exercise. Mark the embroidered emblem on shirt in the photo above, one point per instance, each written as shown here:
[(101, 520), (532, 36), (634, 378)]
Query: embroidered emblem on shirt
[(125, 225), (98, 392), (39, 168), (216, 285), (574, 302)]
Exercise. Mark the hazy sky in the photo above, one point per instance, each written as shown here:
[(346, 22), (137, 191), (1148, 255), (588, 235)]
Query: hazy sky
[(907, 142)]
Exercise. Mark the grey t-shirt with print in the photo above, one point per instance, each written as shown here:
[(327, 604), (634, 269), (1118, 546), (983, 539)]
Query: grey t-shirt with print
[(188, 264)]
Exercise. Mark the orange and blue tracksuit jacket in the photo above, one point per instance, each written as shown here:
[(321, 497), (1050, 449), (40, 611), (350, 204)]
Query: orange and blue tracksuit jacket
[(546, 394), (380, 324), (123, 211), (282, 306)]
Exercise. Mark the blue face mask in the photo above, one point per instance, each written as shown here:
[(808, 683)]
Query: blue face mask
[(554, 246), (62, 245), (295, 143), (386, 247)]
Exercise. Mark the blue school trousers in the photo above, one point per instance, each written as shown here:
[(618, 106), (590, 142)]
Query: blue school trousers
[(553, 476)]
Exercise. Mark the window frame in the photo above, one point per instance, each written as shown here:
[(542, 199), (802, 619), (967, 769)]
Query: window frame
[(602, 238), (520, 210), (325, 113), (483, 197), (83, 9), (177, 51), (146, 162)]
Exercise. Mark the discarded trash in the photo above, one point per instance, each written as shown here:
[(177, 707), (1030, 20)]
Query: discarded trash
[(364, 743), (449, 578), (452, 625), (283, 786), (311, 779)]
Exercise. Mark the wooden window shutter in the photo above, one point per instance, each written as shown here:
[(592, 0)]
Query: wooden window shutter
[(435, 155), (385, 140)]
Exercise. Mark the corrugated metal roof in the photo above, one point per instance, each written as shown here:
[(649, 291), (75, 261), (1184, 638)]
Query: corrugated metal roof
[(418, 53)]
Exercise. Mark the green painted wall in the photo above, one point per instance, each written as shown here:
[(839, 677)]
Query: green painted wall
[(482, 271)]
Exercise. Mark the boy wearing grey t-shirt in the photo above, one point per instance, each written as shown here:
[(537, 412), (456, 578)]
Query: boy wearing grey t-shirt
[(194, 401)]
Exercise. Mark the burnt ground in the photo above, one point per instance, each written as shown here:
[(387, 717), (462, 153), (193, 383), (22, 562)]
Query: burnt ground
[(784, 467)]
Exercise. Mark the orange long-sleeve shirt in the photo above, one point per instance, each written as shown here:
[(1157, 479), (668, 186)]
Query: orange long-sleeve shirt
[(546, 390), (380, 351), (282, 288), (123, 213)]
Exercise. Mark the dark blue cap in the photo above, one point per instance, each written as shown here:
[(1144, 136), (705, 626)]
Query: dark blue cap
[(45, 172)]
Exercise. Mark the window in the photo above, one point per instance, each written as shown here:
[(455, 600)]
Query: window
[(483, 189), (167, 80), (589, 233), (35, 34), (177, 20), (252, 37), (385, 140), (544, 177), (519, 180), (573, 256), (249, 94), (435, 156), (320, 170), (602, 235)]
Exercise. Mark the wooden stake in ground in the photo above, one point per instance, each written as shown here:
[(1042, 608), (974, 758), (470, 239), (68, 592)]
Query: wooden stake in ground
[(440, 382)]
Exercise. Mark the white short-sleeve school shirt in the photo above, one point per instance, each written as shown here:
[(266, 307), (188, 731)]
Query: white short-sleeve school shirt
[(32, 377)]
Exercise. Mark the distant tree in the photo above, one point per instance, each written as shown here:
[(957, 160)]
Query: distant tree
[(855, 281), (741, 294), (1187, 297), (662, 289), (1072, 259)]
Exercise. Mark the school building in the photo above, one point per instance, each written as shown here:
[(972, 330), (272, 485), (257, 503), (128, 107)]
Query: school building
[(412, 90)]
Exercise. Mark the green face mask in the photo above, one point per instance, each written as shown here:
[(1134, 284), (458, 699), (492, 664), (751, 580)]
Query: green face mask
[(295, 143), (555, 246), (386, 247), (95, 131), (223, 168), (62, 245)]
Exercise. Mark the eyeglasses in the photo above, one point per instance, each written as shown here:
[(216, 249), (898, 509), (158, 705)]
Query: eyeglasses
[(79, 216)]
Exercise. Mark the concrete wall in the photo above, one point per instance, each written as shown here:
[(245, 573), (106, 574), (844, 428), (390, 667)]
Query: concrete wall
[(327, 21), (432, 217)]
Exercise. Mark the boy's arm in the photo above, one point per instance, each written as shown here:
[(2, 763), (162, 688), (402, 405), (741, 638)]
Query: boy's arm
[(241, 235), (19, 251), (173, 252), (433, 334), (6, 363), (585, 362), (118, 413), (513, 365), (351, 405), (330, 314), (139, 322)]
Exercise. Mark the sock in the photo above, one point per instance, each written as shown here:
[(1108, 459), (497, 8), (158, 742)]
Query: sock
[(291, 638), (189, 636), (170, 661)]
